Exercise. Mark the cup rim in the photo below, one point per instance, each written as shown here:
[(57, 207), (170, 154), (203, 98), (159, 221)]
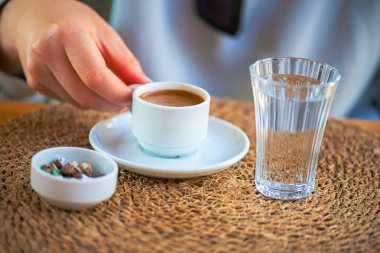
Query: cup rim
[(298, 86), (138, 91)]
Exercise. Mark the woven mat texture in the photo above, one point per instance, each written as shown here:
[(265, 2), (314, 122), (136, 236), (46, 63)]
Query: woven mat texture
[(218, 213)]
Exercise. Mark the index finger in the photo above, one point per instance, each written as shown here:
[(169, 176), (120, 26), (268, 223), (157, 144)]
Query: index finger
[(85, 57)]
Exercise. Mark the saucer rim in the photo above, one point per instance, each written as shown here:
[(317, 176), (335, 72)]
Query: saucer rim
[(162, 171)]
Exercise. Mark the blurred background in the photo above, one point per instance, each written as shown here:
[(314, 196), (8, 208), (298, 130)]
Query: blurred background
[(175, 54), (367, 107)]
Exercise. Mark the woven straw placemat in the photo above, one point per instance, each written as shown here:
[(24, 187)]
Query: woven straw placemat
[(218, 213)]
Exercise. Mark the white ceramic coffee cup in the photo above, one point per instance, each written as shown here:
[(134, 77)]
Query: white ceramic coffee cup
[(169, 131)]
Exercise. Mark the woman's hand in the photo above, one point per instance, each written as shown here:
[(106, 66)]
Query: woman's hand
[(67, 51)]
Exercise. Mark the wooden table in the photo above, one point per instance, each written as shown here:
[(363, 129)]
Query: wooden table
[(10, 109)]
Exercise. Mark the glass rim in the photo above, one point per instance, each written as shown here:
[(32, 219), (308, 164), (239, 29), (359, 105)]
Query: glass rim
[(282, 84)]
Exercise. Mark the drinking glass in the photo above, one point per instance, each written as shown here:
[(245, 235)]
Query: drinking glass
[(292, 98)]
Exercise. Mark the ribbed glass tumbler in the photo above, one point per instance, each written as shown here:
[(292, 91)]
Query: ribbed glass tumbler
[(292, 98)]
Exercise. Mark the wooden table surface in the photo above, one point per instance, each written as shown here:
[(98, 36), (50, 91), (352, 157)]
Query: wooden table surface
[(10, 109)]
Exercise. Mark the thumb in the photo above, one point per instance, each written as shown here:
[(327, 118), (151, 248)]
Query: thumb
[(121, 60)]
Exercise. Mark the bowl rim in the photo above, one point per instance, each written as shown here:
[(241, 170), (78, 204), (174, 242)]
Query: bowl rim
[(35, 167)]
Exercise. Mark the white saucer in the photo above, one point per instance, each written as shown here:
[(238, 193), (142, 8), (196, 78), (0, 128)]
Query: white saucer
[(224, 145)]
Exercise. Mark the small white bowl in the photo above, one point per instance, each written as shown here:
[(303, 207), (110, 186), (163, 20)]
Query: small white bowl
[(72, 193)]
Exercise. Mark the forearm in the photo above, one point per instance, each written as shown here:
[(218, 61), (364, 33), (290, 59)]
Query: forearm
[(9, 22)]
